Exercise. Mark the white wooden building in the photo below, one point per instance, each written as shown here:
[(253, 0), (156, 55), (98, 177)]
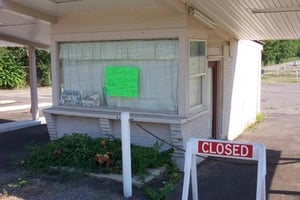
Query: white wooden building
[(198, 62)]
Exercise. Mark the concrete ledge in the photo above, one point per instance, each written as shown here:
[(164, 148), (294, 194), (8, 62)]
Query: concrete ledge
[(10, 126)]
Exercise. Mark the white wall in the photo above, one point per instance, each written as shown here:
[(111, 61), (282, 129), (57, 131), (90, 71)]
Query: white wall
[(241, 86)]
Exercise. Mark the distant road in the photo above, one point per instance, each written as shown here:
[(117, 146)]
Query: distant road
[(15, 104)]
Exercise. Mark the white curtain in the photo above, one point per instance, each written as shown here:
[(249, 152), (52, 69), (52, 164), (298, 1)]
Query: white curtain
[(83, 67)]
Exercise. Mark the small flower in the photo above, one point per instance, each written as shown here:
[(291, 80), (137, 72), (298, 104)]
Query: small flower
[(103, 159), (103, 143)]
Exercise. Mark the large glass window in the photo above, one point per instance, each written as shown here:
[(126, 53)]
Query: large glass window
[(197, 72), (83, 73)]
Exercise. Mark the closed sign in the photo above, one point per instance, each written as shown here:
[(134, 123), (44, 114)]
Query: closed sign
[(225, 149)]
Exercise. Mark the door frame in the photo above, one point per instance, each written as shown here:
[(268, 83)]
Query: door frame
[(215, 99)]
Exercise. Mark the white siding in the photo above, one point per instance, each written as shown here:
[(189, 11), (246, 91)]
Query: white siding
[(241, 87)]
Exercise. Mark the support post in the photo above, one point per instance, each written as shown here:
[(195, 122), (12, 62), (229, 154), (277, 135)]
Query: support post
[(187, 170), (33, 83), (126, 154)]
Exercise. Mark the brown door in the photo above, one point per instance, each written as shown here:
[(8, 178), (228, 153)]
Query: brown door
[(214, 68)]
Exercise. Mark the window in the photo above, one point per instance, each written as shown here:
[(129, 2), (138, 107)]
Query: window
[(83, 73), (197, 72)]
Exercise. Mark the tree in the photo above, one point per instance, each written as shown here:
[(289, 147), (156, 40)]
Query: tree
[(277, 50), (20, 55), (43, 67), (12, 72)]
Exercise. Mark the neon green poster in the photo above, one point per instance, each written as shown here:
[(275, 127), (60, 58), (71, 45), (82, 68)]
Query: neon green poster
[(121, 81)]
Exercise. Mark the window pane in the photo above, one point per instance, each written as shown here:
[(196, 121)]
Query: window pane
[(197, 57), (83, 66), (195, 91)]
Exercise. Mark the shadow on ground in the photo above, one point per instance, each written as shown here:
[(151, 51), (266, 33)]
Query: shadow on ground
[(13, 144), (230, 179), (3, 121)]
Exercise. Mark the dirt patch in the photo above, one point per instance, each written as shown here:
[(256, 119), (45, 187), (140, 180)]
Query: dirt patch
[(59, 186)]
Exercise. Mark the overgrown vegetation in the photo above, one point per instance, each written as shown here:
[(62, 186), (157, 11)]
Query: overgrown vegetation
[(14, 67), (12, 73), (81, 152)]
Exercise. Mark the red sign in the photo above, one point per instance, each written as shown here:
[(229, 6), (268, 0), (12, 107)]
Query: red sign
[(225, 149)]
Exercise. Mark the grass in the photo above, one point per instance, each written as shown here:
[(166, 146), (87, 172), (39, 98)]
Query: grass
[(280, 76), (259, 118), (272, 79)]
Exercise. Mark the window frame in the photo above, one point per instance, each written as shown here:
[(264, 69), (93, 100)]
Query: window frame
[(201, 75), (101, 107)]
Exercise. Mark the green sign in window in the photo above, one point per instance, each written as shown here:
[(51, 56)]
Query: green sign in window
[(122, 81)]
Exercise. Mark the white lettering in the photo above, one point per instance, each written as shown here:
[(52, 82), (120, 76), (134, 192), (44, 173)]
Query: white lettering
[(228, 150), (205, 150), (244, 150), (235, 149), (220, 149), (211, 150)]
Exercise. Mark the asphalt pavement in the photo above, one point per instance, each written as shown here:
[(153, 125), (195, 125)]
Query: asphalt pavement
[(224, 178)]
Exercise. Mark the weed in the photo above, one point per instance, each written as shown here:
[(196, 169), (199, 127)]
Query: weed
[(4, 192), (259, 119), (18, 184)]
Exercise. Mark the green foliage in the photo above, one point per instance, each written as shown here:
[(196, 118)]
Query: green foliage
[(275, 51), (4, 192), (259, 118), (12, 74), (43, 67), (92, 155), (20, 55), (18, 184), (167, 184)]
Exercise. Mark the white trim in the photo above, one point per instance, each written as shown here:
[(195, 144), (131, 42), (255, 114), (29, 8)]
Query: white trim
[(23, 42), (19, 9), (20, 124), (200, 106)]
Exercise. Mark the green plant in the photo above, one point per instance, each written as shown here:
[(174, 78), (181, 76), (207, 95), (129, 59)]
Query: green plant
[(171, 175), (259, 119), (93, 155), (43, 67), (18, 184), (81, 152), (44, 74), (4, 192), (19, 55), (12, 74)]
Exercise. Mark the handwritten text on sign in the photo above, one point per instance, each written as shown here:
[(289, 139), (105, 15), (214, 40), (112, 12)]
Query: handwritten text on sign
[(225, 149), (121, 81)]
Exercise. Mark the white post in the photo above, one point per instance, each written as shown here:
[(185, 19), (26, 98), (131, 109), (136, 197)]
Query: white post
[(261, 174), (126, 155), (33, 83), (187, 169), (194, 177)]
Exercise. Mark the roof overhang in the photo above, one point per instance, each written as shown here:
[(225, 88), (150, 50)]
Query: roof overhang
[(28, 22)]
